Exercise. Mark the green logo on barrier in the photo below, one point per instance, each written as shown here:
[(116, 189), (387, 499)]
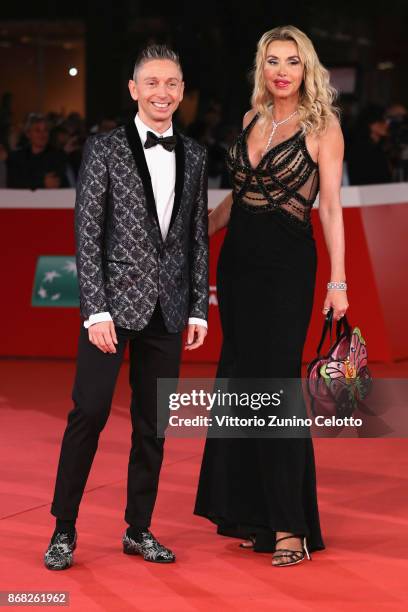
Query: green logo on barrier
[(55, 282)]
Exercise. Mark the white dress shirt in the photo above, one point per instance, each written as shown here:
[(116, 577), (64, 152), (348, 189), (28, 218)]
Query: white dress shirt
[(162, 169)]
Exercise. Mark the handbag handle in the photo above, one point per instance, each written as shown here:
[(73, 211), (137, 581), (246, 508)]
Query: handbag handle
[(328, 324)]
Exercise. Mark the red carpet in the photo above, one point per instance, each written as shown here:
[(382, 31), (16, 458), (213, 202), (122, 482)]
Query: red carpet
[(362, 486)]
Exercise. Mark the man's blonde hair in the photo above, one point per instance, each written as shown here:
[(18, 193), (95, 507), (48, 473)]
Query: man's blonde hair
[(155, 52)]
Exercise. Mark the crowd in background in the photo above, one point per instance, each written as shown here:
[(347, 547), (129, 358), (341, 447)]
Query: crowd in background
[(46, 152)]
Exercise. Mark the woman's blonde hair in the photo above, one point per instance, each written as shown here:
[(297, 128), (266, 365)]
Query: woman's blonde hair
[(316, 95)]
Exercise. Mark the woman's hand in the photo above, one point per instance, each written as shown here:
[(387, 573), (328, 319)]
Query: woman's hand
[(336, 299)]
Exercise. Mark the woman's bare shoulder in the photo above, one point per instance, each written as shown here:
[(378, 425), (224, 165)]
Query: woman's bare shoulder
[(331, 144), (333, 130)]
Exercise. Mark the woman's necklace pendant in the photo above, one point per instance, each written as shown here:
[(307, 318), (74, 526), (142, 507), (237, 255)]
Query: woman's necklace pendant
[(275, 125)]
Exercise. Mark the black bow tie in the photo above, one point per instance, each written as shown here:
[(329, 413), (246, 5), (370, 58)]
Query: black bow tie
[(168, 142)]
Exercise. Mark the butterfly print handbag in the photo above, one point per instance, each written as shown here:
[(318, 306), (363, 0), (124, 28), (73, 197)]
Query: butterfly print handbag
[(338, 381)]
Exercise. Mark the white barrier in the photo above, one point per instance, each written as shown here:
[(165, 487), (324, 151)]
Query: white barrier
[(366, 195)]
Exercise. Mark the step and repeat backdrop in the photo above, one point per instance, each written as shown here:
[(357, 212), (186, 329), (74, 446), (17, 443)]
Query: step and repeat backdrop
[(39, 293)]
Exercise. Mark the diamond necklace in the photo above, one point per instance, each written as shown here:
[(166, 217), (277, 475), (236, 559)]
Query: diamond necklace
[(275, 125)]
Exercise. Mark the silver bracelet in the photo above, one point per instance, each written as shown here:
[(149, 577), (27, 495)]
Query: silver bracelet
[(333, 285)]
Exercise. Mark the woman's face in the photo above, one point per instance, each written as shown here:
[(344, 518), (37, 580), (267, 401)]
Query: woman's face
[(283, 69)]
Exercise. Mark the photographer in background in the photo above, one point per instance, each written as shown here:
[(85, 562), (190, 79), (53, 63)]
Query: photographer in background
[(37, 165), (368, 159), (398, 129)]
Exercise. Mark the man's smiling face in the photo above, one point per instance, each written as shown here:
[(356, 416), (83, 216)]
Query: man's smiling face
[(158, 88)]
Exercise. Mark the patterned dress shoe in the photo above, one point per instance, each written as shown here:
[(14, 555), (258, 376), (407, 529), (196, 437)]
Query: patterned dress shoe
[(149, 548), (59, 554)]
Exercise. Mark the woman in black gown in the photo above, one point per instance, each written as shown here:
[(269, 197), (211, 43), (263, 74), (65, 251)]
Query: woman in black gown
[(259, 488)]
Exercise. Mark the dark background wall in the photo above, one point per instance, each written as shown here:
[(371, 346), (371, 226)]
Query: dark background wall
[(217, 42)]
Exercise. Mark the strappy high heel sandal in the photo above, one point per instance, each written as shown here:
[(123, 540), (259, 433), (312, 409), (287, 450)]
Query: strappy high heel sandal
[(249, 543), (294, 556)]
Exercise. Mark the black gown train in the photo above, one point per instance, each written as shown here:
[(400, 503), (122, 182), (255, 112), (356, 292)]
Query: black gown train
[(265, 284)]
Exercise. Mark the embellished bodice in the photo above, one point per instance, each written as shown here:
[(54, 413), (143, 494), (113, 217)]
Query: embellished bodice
[(286, 178)]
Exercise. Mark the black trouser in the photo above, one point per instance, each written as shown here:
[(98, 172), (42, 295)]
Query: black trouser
[(154, 353)]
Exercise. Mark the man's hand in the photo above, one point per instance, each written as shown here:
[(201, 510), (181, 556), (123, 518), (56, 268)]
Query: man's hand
[(103, 336), (51, 181), (195, 336)]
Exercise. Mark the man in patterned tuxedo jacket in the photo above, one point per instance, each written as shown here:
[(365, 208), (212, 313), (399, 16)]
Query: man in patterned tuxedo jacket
[(142, 258)]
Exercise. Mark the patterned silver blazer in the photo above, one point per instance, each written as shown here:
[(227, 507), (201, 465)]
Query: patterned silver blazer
[(124, 265)]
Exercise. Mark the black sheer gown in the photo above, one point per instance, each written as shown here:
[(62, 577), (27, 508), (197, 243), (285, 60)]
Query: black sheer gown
[(265, 283)]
